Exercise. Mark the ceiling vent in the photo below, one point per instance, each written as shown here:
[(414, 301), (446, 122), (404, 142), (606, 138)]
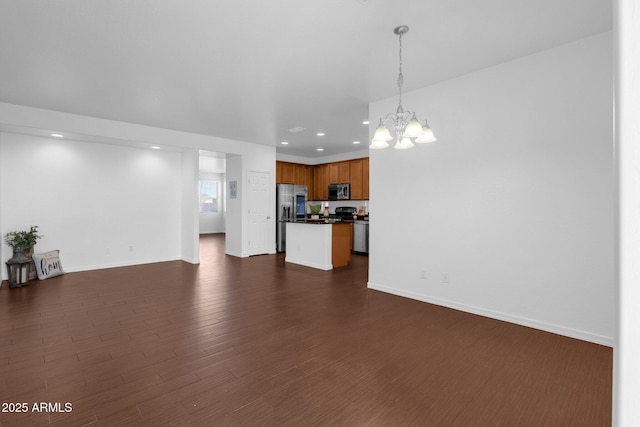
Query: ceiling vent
[(297, 129)]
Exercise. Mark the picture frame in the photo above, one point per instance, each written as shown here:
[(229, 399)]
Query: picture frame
[(233, 189)]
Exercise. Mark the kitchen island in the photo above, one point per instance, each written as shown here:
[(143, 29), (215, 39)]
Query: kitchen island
[(318, 244)]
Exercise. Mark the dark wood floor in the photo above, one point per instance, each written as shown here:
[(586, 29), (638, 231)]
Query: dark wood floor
[(256, 341)]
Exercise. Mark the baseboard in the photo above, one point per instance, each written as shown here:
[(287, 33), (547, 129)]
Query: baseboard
[(309, 264), (77, 269), (234, 253), (115, 265), (522, 321)]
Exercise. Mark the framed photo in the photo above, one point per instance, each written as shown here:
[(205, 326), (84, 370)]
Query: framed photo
[(233, 189)]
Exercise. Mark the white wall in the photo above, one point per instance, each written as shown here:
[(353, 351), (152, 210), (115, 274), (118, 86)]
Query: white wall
[(101, 205), (626, 373), (234, 207), (514, 201), (262, 160), (189, 206)]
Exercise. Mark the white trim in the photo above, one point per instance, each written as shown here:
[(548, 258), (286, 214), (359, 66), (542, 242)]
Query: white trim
[(235, 254), (3, 277), (116, 265), (309, 264), (523, 321)]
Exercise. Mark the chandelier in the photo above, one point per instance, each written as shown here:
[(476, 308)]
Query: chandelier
[(407, 127)]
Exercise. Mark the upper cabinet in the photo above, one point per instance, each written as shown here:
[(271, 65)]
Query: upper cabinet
[(317, 178), (355, 178), (321, 182), (334, 173), (300, 173), (365, 178), (344, 175), (285, 173), (339, 173)]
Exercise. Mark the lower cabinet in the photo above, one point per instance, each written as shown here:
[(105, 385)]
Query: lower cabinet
[(341, 244)]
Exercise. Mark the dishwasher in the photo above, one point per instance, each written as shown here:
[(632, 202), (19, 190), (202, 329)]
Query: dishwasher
[(361, 237)]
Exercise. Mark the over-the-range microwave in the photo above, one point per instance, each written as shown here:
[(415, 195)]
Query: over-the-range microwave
[(339, 192)]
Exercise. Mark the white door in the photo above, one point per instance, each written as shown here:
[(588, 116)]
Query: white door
[(260, 214)]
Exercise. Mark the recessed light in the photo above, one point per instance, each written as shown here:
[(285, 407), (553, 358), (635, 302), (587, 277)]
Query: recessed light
[(319, 149), (366, 122), (320, 133), (356, 142), (155, 147), (57, 135), (284, 143)]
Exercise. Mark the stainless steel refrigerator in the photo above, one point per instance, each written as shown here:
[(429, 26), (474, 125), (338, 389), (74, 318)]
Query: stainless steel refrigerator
[(291, 204)]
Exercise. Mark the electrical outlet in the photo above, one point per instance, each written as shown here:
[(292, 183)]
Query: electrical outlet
[(423, 275), (445, 277)]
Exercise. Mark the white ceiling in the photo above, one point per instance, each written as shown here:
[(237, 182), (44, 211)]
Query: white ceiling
[(251, 69)]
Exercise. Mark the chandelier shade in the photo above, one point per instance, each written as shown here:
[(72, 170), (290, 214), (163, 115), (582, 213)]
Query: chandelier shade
[(403, 144), (413, 128), (426, 135), (406, 126), (382, 134)]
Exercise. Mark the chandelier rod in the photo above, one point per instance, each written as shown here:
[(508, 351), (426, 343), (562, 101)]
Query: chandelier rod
[(400, 30), (400, 76)]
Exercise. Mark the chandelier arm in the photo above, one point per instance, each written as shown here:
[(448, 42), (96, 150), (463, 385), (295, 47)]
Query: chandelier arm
[(401, 115), (390, 116)]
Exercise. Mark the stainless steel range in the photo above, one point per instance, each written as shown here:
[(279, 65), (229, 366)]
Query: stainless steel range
[(345, 212)]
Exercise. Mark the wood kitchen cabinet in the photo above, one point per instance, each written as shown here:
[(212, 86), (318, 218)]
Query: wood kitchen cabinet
[(300, 175), (350, 236), (356, 178), (321, 182), (297, 174), (281, 167), (317, 178), (341, 244), (334, 173), (309, 182), (365, 178), (344, 175), (278, 172)]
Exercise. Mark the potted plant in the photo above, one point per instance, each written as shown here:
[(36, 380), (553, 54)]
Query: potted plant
[(19, 266), (22, 240)]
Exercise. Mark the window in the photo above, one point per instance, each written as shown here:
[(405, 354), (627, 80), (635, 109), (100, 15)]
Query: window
[(209, 196)]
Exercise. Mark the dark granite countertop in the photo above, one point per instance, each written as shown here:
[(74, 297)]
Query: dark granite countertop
[(318, 221)]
